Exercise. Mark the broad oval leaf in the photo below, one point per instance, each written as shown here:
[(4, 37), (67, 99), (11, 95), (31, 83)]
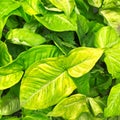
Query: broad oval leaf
[(45, 83), (106, 37), (12, 73), (70, 108), (58, 22), (25, 37), (66, 5), (82, 60), (5, 57), (48, 81), (113, 102)]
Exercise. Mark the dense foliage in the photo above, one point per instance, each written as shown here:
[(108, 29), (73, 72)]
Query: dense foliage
[(59, 59)]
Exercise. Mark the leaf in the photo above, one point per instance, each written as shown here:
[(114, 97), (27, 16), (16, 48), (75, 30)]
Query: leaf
[(106, 37), (112, 60), (47, 78), (96, 108), (82, 83), (36, 116), (5, 11), (66, 5), (52, 72), (59, 43), (75, 104), (90, 37), (58, 22), (38, 53), (113, 108), (33, 7), (95, 3), (10, 102), (81, 60), (10, 75), (13, 72), (82, 27), (25, 37), (5, 57), (82, 6), (112, 16)]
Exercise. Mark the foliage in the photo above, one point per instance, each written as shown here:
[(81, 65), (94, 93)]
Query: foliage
[(59, 59)]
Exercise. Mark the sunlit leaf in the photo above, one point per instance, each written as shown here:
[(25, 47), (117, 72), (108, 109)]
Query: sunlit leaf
[(58, 22), (112, 60), (66, 5), (5, 11), (113, 17), (32, 7), (95, 3), (70, 108), (113, 108), (25, 37), (48, 81), (12, 73), (81, 60), (106, 37), (96, 109)]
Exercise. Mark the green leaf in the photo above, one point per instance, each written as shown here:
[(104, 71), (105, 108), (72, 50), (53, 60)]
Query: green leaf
[(10, 102), (113, 17), (95, 107), (106, 37), (90, 37), (82, 83), (5, 11), (47, 78), (5, 57), (33, 7), (70, 108), (82, 6), (36, 116), (66, 5), (82, 27), (38, 53), (112, 60), (40, 78), (25, 37), (95, 3), (58, 22), (113, 108), (10, 118), (81, 60), (60, 44), (12, 73)]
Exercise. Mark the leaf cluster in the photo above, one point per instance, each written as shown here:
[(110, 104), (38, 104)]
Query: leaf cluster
[(59, 59)]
